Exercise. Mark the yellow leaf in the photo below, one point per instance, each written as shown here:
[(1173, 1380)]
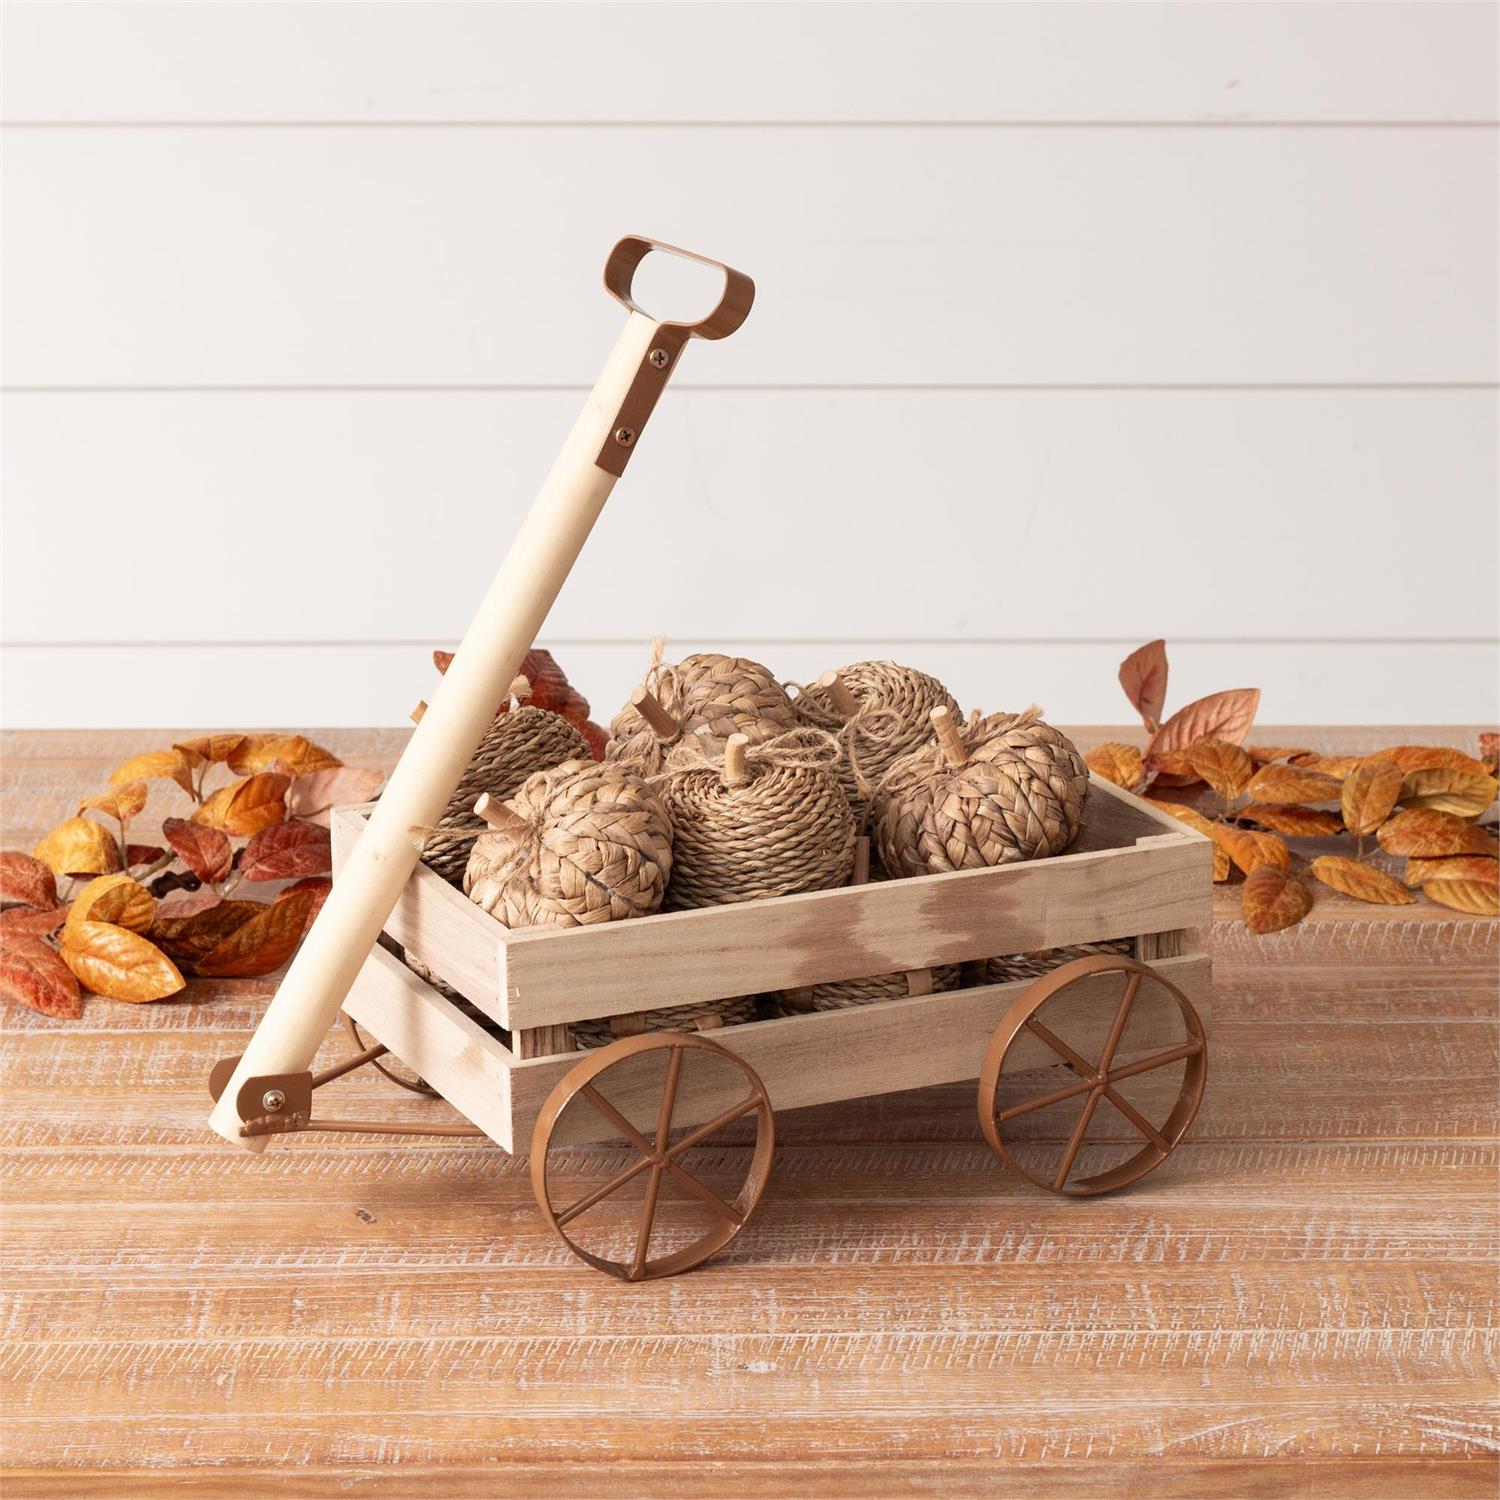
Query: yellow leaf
[(122, 803), (1250, 850), (1338, 766), (255, 803), (1454, 867), (209, 748), (117, 963), (1196, 821), (292, 753), (1297, 822), (1465, 794), (79, 846), (211, 813), (1224, 766), (1264, 754), (1292, 784), (1121, 764), (170, 764), (114, 898), (1429, 833), (1474, 896), (1275, 898), (1369, 793), (1431, 757), (1363, 882)]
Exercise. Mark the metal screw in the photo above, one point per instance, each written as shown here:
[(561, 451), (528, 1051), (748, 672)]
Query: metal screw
[(273, 1101), (625, 436), (659, 358)]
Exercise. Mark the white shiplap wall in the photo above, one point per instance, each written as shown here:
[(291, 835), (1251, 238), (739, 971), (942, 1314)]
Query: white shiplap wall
[(1077, 324)]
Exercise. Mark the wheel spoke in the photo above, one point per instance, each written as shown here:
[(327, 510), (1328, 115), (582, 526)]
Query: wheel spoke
[(668, 1098), (718, 1122), (1122, 1015), (707, 1194), (618, 1120), (648, 1218), (1076, 1139), (1060, 1047), (1156, 1060), (599, 1194), (1137, 1119), (1043, 1100)]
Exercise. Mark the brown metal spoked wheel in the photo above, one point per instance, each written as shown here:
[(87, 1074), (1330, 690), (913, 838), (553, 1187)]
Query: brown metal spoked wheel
[(654, 1077), (1079, 997)]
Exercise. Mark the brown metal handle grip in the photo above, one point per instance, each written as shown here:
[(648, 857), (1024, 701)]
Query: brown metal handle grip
[(733, 306)]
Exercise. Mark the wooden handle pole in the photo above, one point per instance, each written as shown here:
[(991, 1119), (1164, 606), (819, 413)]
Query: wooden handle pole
[(462, 708)]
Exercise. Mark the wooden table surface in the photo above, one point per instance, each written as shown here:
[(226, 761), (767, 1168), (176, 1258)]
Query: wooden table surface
[(1302, 1302)]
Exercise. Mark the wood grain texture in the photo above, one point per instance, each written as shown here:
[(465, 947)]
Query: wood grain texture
[(1301, 1303)]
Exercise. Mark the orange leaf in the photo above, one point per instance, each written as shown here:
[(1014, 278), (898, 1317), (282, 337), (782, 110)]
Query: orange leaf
[(1454, 867), (205, 851), (1196, 821), (243, 808), (1121, 764), (1225, 767), (33, 975), (1220, 716), (1297, 822), (1474, 896), (318, 887), (171, 764), (1250, 850), (1264, 754), (264, 943), (117, 899), (1364, 882), (1275, 898), (442, 660), (1143, 675), (25, 879), (1369, 793), (1465, 794), (1294, 785), (29, 921), (123, 803), (294, 753), (191, 927), (1489, 752), (79, 846), (117, 963), (287, 851), (211, 813), (1337, 766), (1431, 758), (338, 787), (1429, 834), (209, 748)]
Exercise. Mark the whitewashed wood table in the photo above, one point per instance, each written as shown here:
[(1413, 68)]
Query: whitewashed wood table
[(1301, 1303)]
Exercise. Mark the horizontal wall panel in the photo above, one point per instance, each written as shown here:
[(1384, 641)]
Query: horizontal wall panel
[(69, 687), (757, 62), (908, 256), (784, 514)]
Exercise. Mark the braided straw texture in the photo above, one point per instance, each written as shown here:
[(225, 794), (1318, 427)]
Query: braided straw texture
[(708, 1016), (598, 849), (787, 829), (890, 721), (1012, 966), (514, 746), (706, 694), (1019, 795), (849, 992)]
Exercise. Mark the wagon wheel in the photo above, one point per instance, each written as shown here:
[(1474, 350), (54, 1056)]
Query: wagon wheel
[(625, 1070), (1095, 1081)]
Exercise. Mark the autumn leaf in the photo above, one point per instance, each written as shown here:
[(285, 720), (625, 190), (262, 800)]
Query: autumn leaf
[(1454, 867), (1220, 716), (1121, 764), (1293, 785), (26, 880), (1225, 767), (1364, 882), (31, 974), (1465, 794), (1143, 675), (1250, 850), (442, 660), (287, 851), (243, 808), (205, 851), (1337, 766), (1275, 898), (1199, 824), (1263, 755), (292, 753), (210, 748), (117, 899), (188, 932), (318, 887), (117, 963), (340, 786), (210, 813), (79, 846), (263, 943), (183, 904), (1431, 758), (1369, 793), (1475, 896), (1428, 833), (1489, 752), (122, 804), (170, 764), (142, 854), (1296, 822)]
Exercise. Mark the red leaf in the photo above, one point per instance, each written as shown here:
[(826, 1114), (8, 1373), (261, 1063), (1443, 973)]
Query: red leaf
[(1220, 716), (263, 943), (26, 880), (142, 854), (27, 921), (287, 851), (32, 974), (1143, 675), (205, 851), (319, 885), (183, 905)]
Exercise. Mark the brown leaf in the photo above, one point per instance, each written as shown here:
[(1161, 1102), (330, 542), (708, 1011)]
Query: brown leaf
[(1296, 822), (318, 886), (243, 808), (1121, 764), (1369, 793), (30, 921), (1454, 867), (293, 753), (1431, 758), (142, 854), (1196, 821), (117, 963), (170, 764), (1429, 834), (1225, 767), (1364, 882), (117, 899), (341, 786), (1337, 766), (183, 904), (1263, 755), (1275, 898), (210, 748), (1293, 785), (1465, 794), (263, 944), (442, 660), (1250, 850), (1475, 896), (1489, 752), (79, 846), (205, 851), (1220, 716), (1143, 675), (31, 974), (188, 933), (287, 851), (123, 803), (26, 879)]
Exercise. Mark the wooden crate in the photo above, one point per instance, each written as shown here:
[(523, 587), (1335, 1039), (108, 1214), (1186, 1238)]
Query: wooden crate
[(1134, 873)]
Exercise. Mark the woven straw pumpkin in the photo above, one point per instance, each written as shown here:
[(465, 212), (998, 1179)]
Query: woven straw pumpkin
[(586, 842), (1008, 788), (766, 821)]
